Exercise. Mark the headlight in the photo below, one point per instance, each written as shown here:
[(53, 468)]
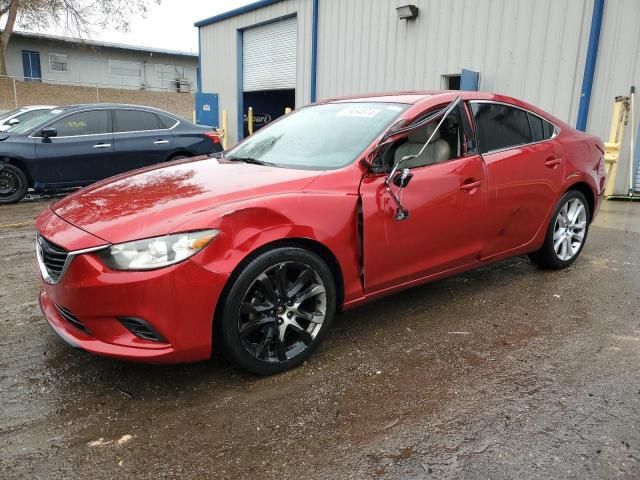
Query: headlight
[(158, 252)]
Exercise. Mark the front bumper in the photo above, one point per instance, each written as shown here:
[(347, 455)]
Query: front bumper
[(178, 302)]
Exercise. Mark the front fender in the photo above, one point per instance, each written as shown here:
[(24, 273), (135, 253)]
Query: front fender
[(325, 218)]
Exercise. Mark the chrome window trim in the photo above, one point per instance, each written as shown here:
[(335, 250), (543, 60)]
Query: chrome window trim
[(556, 128), (31, 135), (70, 256)]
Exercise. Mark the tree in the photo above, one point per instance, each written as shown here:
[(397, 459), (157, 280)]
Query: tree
[(76, 17)]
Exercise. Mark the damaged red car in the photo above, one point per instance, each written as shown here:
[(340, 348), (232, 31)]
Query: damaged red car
[(252, 252)]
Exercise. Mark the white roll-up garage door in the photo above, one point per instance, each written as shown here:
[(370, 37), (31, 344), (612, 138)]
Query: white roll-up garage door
[(269, 56)]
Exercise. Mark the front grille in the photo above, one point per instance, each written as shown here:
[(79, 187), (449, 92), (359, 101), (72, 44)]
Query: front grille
[(71, 318), (53, 257)]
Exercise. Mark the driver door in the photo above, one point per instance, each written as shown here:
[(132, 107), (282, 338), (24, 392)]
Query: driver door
[(446, 201)]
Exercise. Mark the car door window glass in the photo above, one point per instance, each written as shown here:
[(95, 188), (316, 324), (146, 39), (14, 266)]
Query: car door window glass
[(500, 126), (166, 122), (135, 121), (548, 129), (91, 122), (537, 132), (447, 142)]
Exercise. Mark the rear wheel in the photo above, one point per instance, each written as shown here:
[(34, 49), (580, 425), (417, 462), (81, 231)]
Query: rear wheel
[(178, 156), (277, 311), (13, 184), (567, 232)]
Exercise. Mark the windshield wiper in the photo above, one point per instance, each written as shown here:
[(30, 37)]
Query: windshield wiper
[(253, 161)]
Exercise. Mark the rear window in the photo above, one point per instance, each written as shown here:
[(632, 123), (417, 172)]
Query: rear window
[(135, 121)]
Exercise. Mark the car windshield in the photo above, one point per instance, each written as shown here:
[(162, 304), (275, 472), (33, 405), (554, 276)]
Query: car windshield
[(9, 114), (319, 137), (36, 121)]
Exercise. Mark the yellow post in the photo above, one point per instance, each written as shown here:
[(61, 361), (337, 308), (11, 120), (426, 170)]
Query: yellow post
[(250, 121), (287, 110), (225, 129), (619, 119)]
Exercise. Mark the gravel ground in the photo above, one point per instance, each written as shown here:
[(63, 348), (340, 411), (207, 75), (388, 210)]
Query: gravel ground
[(504, 372)]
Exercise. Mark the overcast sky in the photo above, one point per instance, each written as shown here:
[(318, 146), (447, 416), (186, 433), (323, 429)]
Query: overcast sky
[(168, 26)]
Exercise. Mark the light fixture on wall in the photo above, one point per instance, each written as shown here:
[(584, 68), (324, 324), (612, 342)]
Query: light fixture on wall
[(407, 12)]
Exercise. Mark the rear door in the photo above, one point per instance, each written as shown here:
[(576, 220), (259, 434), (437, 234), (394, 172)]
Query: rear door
[(525, 169), (82, 151), (141, 139)]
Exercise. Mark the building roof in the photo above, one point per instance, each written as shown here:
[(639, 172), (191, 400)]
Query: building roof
[(101, 44), (238, 11)]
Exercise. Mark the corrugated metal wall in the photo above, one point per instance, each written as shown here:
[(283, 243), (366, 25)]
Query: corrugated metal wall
[(532, 50), (219, 55), (617, 69)]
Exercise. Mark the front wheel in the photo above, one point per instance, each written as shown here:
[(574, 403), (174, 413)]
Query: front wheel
[(567, 232), (278, 310), (13, 184)]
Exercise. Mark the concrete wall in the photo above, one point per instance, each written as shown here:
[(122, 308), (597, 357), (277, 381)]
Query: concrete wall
[(32, 93), (90, 65), (219, 55)]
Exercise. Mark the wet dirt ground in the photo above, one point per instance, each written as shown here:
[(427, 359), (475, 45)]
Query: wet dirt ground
[(504, 372)]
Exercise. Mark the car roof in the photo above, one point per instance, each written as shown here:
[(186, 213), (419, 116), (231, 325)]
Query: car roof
[(102, 106), (38, 107), (413, 97)]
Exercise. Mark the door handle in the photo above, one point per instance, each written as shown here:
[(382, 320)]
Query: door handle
[(161, 142), (552, 162), (470, 185), (102, 145)]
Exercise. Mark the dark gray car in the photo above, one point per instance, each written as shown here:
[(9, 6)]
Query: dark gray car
[(77, 145)]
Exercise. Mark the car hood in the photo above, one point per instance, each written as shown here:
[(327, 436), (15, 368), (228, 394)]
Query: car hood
[(159, 200)]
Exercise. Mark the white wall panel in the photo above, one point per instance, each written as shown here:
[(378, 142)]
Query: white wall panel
[(522, 48), (269, 56), (618, 68), (534, 50), (219, 54)]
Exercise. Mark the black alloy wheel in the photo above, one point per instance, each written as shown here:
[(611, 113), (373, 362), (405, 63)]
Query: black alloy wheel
[(278, 310)]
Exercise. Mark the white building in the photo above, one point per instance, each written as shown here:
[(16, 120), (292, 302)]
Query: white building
[(277, 53), (69, 61)]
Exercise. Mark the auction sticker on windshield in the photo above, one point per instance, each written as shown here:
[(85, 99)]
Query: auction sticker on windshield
[(363, 112)]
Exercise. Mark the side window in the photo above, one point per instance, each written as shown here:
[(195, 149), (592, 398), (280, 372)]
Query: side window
[(540, 129), (548, 129), (447, 142), (135, 120), (536, 127), (500, 126), (167, 122), (90, 122)]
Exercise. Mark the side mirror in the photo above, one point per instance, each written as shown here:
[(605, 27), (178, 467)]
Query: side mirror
[(48, 132), (13, 121), (402, 179)]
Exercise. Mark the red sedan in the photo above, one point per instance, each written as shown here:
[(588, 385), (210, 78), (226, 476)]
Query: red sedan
[(253, 252)]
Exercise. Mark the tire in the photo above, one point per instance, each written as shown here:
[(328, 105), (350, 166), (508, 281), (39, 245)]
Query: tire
[(179, 156), (566, 233), (267, 325), (13, 184)]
